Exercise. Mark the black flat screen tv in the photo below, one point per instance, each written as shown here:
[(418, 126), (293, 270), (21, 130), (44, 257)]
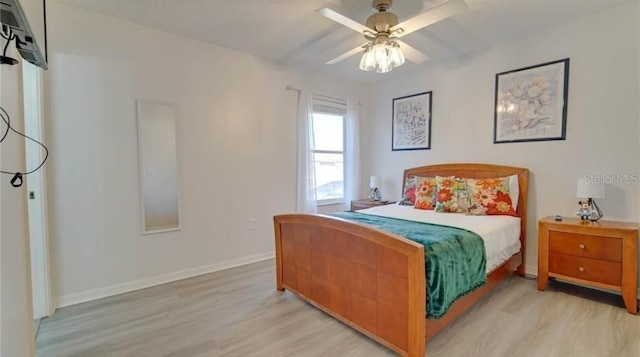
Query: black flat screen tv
[(28, 39)]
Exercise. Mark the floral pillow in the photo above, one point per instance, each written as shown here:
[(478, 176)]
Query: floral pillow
[(452, 195), (425, 193), (409, 192), (490, 197)]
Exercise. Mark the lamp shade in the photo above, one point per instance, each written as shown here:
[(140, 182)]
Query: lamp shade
[(374, 182), (589, 189)]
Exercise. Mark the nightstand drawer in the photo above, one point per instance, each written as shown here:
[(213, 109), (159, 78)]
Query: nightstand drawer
[(588, 246), (595, 270)]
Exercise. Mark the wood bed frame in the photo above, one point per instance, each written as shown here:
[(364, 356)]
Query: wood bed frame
[(372, 280)]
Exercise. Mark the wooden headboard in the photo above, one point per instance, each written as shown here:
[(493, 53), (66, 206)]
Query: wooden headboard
[(482, 171)]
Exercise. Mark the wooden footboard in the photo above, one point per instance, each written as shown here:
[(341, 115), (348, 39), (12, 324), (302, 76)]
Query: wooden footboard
[(371, 280)]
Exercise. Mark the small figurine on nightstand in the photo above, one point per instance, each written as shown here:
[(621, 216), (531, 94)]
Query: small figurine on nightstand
[(585, 212)]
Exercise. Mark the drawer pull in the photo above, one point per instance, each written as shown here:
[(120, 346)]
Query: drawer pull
[(581, 246), (581, 269)]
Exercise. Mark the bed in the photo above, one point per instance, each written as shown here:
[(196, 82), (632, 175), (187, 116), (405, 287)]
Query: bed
[(374, 281)]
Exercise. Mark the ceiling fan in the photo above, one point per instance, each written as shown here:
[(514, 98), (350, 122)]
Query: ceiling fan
[(384, 50)]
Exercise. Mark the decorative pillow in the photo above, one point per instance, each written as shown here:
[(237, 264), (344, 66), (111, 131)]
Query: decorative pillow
[(490, 197), (514, 190), (452, 195), (425, 193), (409, 192)]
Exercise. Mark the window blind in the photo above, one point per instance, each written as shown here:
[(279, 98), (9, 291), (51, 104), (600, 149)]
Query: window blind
[(329, 105)]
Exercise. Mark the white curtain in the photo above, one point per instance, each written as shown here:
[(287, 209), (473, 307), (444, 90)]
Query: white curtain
[(352, 152), (306, 182)]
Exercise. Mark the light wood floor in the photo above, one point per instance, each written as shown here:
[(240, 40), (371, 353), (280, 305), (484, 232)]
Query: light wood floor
[(238, 312)]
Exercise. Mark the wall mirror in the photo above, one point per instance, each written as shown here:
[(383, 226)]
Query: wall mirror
[(157, 161)]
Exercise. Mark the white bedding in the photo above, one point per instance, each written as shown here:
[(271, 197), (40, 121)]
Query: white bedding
[(501, 234)]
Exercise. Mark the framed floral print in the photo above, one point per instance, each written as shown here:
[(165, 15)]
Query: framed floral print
[(531, 103), (411, 124)]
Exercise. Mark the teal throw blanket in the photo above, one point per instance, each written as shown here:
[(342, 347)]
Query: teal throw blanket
[(455, 258)]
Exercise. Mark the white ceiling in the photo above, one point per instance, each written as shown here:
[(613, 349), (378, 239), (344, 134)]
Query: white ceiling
[(292, 33)]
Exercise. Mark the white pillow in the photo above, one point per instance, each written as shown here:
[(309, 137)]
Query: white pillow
[(514, 190)]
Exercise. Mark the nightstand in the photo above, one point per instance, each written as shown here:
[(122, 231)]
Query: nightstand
[(362, 204), (601, 254)]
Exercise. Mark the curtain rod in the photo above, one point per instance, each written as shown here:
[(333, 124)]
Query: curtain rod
[(291, 87)]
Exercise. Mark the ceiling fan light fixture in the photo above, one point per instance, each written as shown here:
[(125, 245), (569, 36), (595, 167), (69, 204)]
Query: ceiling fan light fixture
[(382, 55), (368, 61), (383, 67), (396, 58)]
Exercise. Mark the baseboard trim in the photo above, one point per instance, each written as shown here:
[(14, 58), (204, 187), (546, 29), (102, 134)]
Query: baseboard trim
[(531, 270), (36, 328), (95, 294)]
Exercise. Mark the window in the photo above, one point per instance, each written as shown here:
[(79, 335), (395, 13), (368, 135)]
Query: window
[(329, 153)]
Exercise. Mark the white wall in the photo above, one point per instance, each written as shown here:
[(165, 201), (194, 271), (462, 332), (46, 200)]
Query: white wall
[(236, 152), (16, 326), (602, 123)]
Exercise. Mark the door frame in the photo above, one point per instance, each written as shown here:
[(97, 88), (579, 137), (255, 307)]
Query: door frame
[(34, 126)]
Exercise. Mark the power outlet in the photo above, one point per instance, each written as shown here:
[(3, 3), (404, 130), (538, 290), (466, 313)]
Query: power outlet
[(252, 224)]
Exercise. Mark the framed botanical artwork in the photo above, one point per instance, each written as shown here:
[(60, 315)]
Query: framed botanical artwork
[(531, 103), (411, 124)]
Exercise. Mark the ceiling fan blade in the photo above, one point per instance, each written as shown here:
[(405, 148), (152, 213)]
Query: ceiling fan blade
[(430, 17), (343, 20), (347, 55), (411, 53)]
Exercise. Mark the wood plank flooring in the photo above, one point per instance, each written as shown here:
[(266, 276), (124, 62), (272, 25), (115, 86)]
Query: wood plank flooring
[(238, 312)]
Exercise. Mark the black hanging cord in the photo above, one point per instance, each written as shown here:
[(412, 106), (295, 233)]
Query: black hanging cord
[(10, 37), (5, 32), (16, 181), (8, 122)]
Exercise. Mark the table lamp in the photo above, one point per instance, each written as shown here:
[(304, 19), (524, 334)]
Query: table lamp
[(590, 191), (375, 195)]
